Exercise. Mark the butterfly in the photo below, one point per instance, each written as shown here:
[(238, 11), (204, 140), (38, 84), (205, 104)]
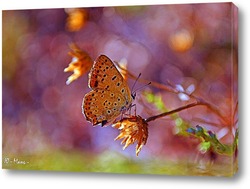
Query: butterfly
[(110, 95)]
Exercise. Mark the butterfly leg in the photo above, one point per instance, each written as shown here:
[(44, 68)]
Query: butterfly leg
[(135, 109), (133, 105)]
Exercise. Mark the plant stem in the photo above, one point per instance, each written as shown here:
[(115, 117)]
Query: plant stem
[(174, 111)]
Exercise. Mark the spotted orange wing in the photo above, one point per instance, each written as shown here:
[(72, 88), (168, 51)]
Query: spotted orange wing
[(110, 95)]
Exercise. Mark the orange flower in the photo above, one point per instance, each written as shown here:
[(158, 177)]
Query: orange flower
[(77, 19), (80, 64), (132, 129)]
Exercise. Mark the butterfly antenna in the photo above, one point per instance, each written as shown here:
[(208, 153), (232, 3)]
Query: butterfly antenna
[(135, 81), (142, 87), (134, 92)]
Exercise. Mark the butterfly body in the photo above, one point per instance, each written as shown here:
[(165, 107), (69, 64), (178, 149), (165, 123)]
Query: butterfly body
[(110, 95)]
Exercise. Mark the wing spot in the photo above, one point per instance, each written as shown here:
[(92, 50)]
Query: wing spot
[(114, 77), (96, 83)]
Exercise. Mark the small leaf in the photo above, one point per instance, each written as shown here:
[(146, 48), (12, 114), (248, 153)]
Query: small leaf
[(204, 147)]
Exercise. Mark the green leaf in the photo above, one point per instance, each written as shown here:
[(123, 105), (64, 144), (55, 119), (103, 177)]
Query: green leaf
[(204, 147)]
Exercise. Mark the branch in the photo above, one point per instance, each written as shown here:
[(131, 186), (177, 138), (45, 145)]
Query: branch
[(174, 111)]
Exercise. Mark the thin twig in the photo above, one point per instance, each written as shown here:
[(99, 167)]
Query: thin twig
[(173, 111)]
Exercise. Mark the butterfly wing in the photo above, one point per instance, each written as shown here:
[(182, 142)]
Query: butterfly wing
[(105, 75), (108, 86), (101, 106)]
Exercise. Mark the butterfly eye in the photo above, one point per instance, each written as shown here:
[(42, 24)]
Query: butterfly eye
[(133, 96)]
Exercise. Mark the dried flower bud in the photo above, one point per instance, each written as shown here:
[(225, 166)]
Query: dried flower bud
[(132, 129), (77, 18), (80, 64)]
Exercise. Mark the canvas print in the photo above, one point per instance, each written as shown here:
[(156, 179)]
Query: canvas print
[(149, 89)]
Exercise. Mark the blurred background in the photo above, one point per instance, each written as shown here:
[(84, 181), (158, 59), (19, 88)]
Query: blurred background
[(191, 46)]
